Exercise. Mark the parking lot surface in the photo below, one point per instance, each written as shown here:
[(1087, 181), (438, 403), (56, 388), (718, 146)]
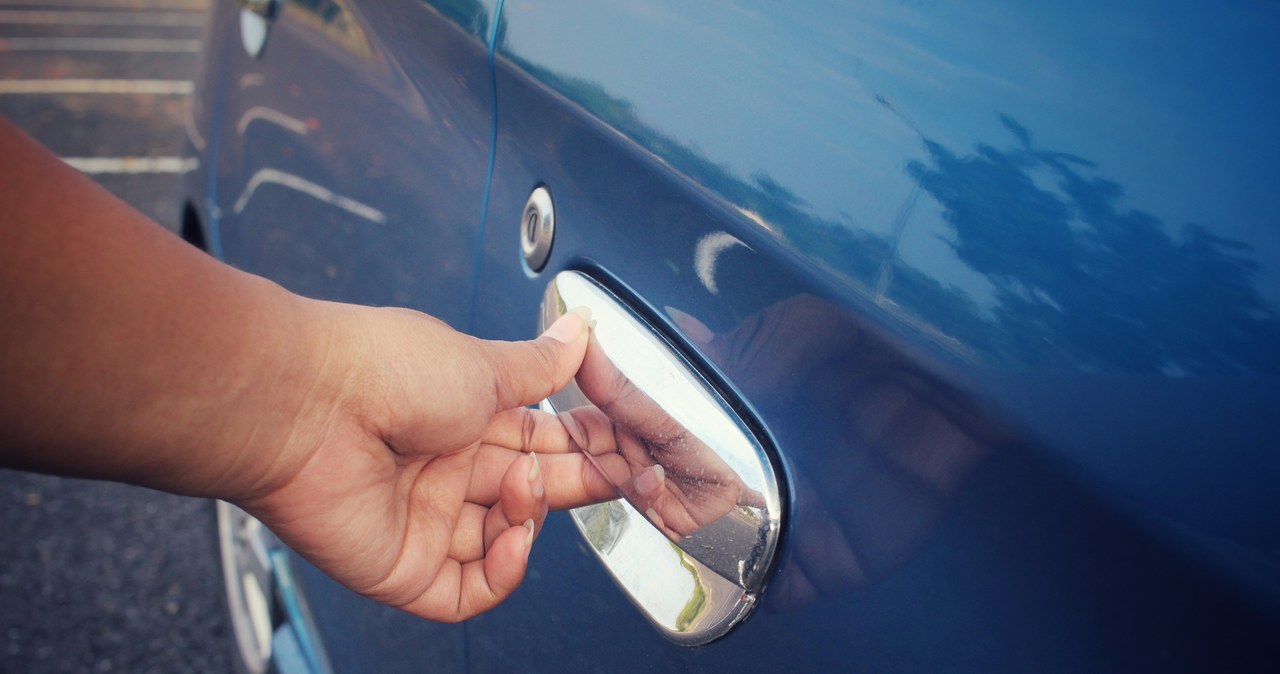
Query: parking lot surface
[(98, 577)]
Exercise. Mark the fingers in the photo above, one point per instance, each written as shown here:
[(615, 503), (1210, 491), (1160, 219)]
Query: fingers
[(464, 590), (590, 430), (527, 372), (750, 497), (526, 430), (570, 480), (468, 542), (488, 582), (648, 493), (523, 499), (647, 490), (479, 576)]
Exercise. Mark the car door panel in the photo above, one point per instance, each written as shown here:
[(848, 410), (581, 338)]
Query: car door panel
[(363, 182), (996, 284), (883, 234)]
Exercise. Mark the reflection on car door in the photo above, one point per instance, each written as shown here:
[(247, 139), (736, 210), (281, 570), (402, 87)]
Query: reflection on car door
[(899, 254), (363, 181)]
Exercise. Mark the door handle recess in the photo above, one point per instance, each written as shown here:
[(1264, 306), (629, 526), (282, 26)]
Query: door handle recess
[(692, 536)]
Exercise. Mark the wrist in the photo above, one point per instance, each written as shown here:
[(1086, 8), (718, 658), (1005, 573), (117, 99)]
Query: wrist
[(294, 397)]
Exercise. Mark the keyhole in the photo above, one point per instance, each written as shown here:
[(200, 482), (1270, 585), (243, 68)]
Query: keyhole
[(531, 228), (537, 228)]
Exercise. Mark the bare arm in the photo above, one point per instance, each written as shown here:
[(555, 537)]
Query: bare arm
[(124, 348), (126, 354)]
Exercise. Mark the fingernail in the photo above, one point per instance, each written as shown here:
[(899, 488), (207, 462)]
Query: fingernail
[(651, 480), (567, 328), (528, 539), (574, 429), (584, 312), (535, 475)]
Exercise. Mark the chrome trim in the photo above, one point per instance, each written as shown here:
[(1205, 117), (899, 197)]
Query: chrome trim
[(270, 619), (255, 17), (537, 228), (247, 579), (676, 451)]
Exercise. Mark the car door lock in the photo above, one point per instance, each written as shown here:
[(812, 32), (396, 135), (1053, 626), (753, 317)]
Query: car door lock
[(537, 229)]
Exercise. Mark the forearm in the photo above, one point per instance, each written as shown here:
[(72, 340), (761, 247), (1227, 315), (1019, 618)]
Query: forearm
[(127, 354)]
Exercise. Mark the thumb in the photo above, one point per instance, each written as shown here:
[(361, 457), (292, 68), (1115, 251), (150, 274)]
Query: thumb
[(526, 372)]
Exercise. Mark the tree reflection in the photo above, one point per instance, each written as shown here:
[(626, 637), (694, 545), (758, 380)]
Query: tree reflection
[(471, 15), (1082, 282)]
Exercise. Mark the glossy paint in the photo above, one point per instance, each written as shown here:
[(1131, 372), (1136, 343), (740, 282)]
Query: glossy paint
[(998, 281), (337, 172)]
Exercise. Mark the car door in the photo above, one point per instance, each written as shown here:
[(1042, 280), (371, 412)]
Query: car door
[(937, 258), (352, 153)]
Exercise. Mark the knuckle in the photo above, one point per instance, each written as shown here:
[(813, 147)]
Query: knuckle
[(546, 356), (528, 428)]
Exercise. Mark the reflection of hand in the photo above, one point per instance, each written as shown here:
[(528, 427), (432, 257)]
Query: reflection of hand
[(903, 450), (666, 472)]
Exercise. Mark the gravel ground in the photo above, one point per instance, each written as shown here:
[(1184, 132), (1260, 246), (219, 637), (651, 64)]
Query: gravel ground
[(98, 577)]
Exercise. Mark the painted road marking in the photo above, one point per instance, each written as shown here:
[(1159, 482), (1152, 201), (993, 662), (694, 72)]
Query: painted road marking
[(181, 5), (101, 165), (70, 86), (92, 18), (114, 44)]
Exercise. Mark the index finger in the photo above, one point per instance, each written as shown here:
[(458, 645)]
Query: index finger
[(524, 430)]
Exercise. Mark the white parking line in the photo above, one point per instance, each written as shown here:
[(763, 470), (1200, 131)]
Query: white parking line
[(180, 5), (93, 18), (113, 44), (70, 86), (101, 165)]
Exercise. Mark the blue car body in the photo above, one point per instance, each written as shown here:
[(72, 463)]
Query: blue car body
[(998, 282)]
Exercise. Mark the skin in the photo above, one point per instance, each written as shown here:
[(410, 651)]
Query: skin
[(390, 450)]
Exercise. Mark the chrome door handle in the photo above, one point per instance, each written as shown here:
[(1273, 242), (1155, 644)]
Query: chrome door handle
[(692, 537)]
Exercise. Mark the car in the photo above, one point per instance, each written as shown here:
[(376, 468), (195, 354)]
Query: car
[(953, 328)]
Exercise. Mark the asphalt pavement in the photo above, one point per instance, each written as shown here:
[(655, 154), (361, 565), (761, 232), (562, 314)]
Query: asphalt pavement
[(99, 577)]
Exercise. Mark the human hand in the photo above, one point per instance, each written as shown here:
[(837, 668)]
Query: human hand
[(406, 477)]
